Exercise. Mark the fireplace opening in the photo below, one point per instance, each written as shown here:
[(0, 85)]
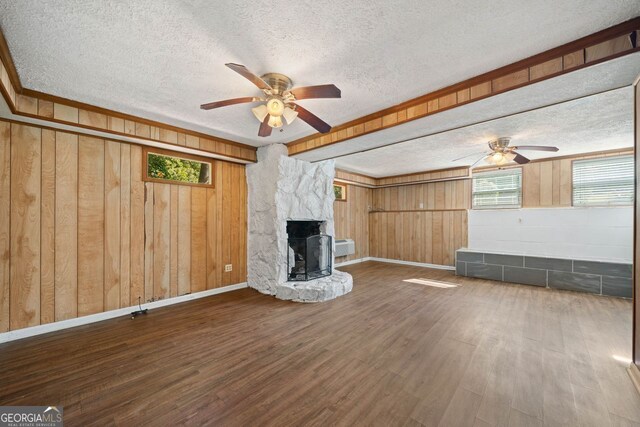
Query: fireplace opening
[(310, 251)]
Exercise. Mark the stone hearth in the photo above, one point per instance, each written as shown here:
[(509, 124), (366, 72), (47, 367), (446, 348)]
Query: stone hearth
[(284, 189)]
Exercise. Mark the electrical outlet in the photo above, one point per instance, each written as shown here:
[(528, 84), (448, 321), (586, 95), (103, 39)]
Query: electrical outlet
[(421, 205), (228, 268)]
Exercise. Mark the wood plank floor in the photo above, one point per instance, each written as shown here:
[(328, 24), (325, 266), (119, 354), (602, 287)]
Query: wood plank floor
[(389, 353)]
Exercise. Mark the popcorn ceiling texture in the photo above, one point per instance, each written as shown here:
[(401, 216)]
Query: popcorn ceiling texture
[(283, 189), (161, 59)]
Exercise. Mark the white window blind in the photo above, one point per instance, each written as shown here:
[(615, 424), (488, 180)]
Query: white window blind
[(603, 182), (497, 189)]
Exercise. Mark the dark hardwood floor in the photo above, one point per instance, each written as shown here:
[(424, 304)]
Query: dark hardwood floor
[(389, 353)]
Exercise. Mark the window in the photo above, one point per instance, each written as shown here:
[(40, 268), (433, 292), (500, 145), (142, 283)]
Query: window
[(603, 182), (497, 189), (161, 166), (340, 191)]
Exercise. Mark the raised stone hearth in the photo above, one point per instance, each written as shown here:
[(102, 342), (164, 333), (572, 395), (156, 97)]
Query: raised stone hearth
[(284, 189)]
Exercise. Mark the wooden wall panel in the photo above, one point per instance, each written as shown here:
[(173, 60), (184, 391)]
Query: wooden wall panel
[(66, 227), (91, 222), (26, 150), (47, 227), (173, 238), (148, 241), (137, 228), (80, 233), (184, 240), (198, 239), (125, 225), (351, 218), (5, 224), (161, 240), (112, 230)]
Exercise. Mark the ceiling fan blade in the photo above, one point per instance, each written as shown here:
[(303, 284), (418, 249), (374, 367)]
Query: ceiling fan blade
[(314, 121), (244, 72), (520, 159), (265, 129), (218, 104), (320, 91), (478, 161), (474, 154), (535, 147)]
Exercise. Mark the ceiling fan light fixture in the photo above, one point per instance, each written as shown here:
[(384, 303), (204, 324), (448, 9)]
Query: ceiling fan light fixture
[(275, 107), (289, 114), (260, 112), (275, 121), (497, 158), (510, 156)]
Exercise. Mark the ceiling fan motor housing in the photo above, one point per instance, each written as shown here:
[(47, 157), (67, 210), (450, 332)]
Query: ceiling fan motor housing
[(499, 144), (279, 82)]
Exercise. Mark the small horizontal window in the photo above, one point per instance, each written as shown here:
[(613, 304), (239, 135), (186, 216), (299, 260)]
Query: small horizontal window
[(497, 189), (603, 182), (177, 168)]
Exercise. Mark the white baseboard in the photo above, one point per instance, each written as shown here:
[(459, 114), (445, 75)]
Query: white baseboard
[(92, 318), (353, 261), (634, 373), (396, 261)]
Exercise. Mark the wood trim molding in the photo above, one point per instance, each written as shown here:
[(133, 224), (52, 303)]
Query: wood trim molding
[(5, 56), (437, 175), (587, 51), (29, 103)]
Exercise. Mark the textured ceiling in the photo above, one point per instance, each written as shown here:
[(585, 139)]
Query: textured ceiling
[(594, 123), (162, 59)]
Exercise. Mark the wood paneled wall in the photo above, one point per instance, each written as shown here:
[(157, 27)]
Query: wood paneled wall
[(420, 236), (431, 196), (81, 233), (395, 225), (352, 220)]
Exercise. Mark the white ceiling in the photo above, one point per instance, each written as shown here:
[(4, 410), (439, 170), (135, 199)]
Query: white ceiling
[(595, 123), (162, 59)]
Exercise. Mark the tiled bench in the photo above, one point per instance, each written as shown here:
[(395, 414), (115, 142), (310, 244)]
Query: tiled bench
[(602, 278)]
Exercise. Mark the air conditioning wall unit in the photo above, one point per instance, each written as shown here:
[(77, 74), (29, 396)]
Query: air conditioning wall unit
[(345, 247)]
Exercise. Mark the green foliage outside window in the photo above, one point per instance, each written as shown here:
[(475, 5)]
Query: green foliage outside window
[(177, 169)]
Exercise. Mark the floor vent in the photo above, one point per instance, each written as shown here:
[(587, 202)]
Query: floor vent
[(434, 283)]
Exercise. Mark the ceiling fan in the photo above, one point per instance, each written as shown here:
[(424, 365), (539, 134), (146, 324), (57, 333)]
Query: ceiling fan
[(278, 101), (501, 153)]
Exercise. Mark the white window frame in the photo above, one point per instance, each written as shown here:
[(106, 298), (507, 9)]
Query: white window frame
[(498, 172), (625, 184)]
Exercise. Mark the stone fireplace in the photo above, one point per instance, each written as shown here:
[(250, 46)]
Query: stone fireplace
[(291, 232)]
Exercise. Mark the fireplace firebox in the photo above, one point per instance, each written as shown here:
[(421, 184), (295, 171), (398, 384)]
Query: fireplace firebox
[(310, 251)]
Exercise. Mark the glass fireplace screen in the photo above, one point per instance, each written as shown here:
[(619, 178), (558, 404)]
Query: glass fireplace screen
[(309, 257)]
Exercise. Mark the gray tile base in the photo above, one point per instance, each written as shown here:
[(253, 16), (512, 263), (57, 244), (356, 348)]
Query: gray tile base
[(575, 281), (617, 286), (484, 271), (526, 276), (601, 278)]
